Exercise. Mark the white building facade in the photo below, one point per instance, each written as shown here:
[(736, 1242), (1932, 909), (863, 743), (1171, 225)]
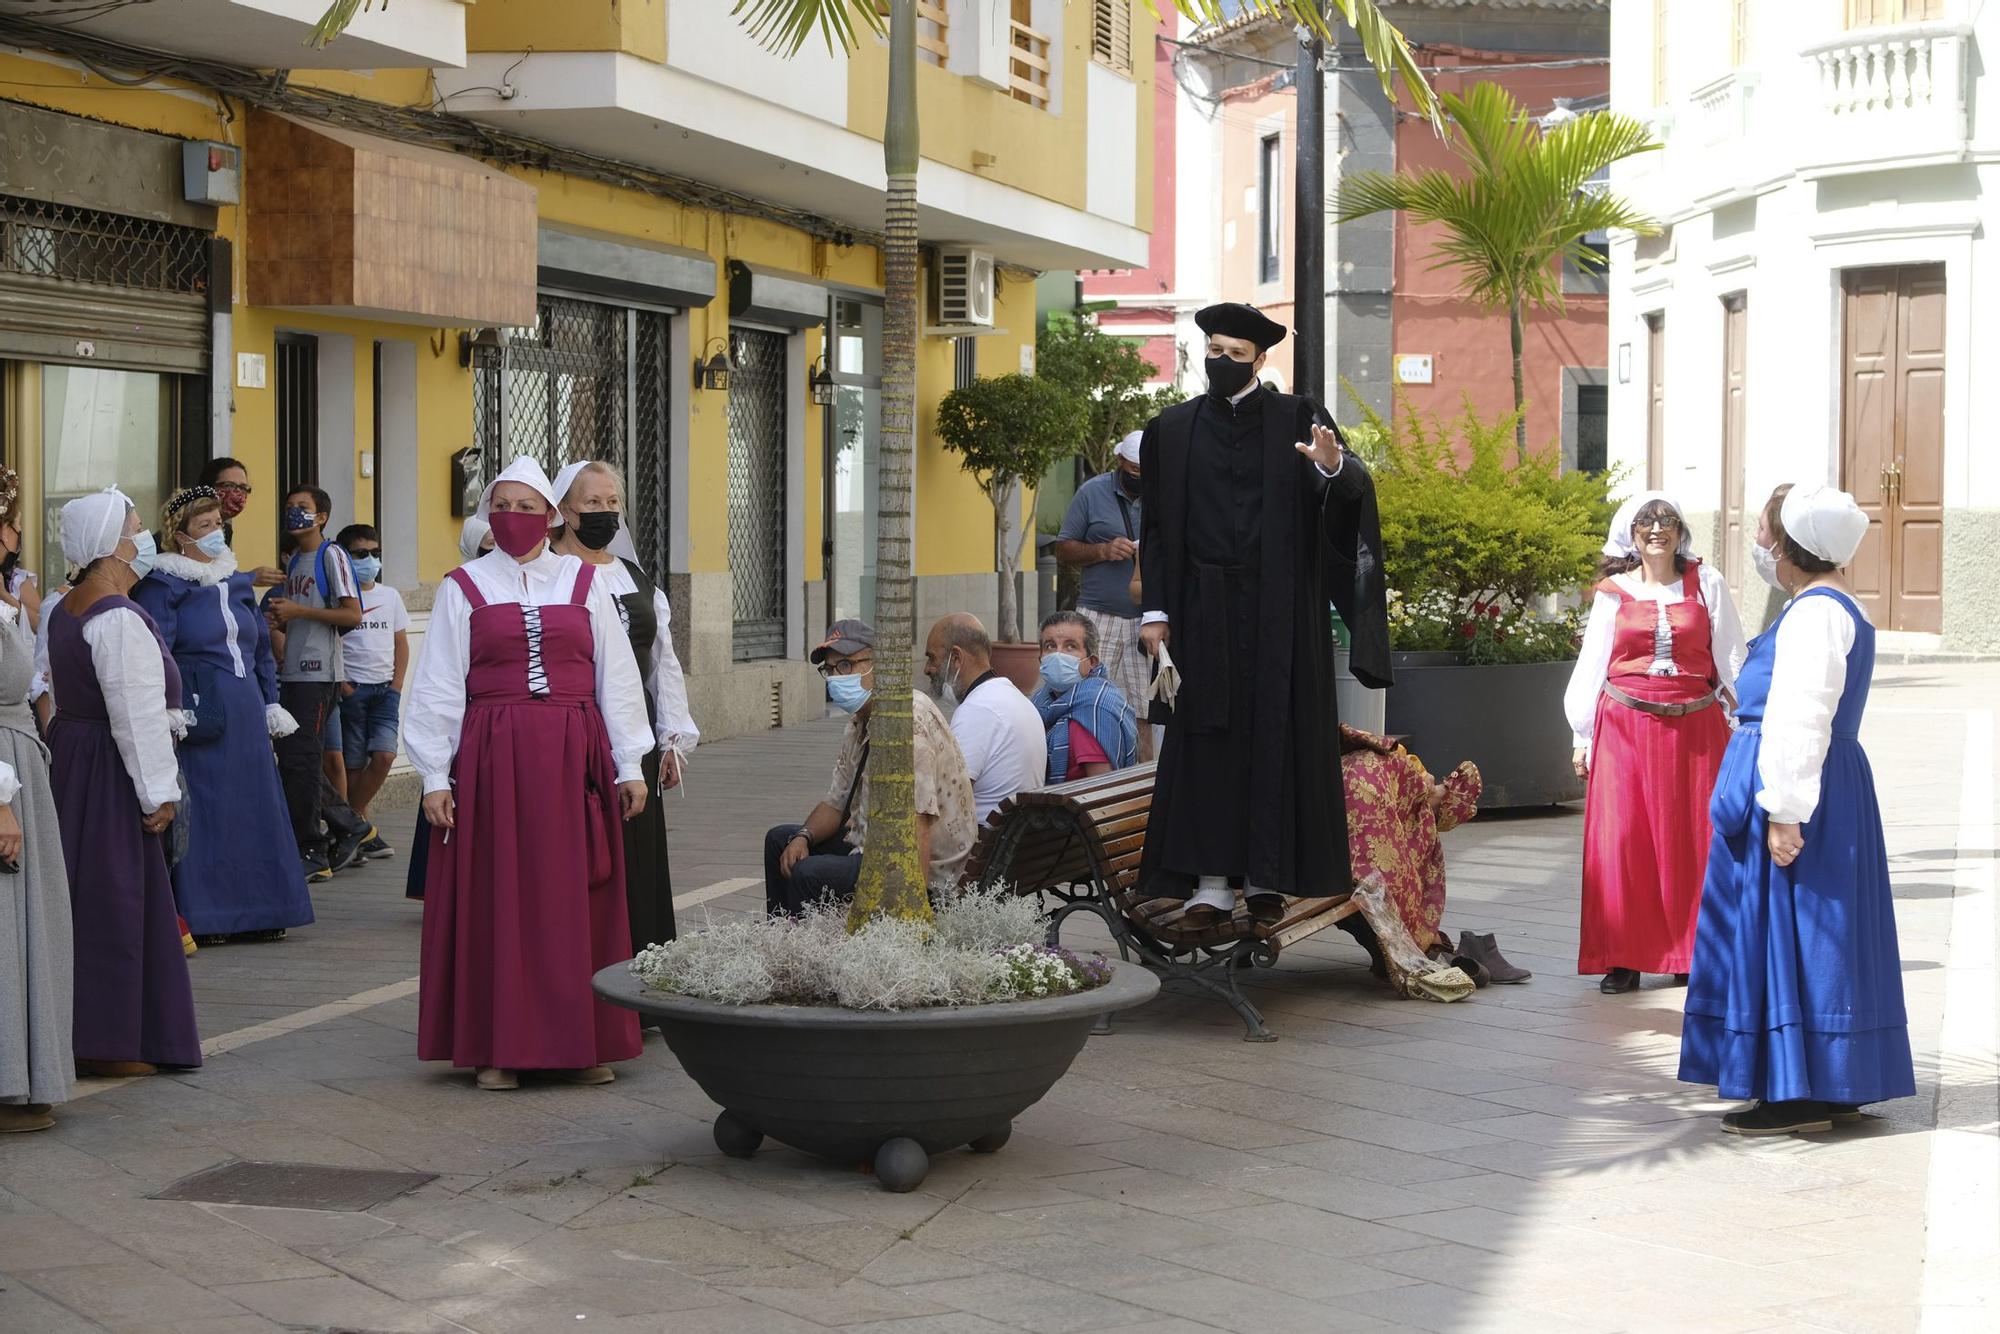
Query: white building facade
[(1820, 303)]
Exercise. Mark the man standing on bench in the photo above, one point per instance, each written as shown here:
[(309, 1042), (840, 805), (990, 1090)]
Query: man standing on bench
[(1255, 519)]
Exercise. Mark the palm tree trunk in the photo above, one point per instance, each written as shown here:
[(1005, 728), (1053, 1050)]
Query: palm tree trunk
[(1520, 392), (892, 879)]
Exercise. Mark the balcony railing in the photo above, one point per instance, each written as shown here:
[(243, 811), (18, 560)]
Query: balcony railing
[(1029, 65), (933, 32), (1890, 94)]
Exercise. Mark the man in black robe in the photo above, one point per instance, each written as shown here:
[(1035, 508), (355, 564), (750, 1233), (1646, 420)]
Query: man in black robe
[(1255, 519)]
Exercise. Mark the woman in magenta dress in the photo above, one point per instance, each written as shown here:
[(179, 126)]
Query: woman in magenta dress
[(1647, 703), (527, 723)]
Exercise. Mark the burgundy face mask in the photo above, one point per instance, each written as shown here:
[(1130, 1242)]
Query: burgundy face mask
[(517, 533)]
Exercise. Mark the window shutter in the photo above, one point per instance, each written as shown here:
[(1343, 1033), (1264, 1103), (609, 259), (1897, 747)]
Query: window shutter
[(1111, 33)]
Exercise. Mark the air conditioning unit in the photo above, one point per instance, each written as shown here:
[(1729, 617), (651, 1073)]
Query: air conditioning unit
[(965, 288)]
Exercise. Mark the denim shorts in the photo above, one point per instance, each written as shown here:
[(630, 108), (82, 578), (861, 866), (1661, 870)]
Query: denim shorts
[(368, 722)]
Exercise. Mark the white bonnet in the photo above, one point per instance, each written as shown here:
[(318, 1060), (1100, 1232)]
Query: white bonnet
[(92, 526), (472, 535), (1825, 521), (527, 472), (1619, 541), (622, 546), (1128, 448)]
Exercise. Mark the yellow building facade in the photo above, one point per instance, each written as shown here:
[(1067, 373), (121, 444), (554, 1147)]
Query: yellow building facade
[(379, 311)]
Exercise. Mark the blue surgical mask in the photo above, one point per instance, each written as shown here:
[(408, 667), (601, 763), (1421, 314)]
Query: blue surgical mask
[(213, 545), (142, 563), (849, 693), (1061, 670), (367, 568)]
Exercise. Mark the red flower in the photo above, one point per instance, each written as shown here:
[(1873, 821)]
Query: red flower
[(1494, 611), (1468, 629), (1500, 634)]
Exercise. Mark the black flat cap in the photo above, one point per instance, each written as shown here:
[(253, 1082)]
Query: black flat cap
[(1233, 319)]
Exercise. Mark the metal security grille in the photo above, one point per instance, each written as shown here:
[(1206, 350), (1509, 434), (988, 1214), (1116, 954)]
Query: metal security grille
[(589, 381), (86, 245), (297, 382), (757, 491)]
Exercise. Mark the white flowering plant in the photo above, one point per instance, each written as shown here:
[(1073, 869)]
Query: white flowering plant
[(980, 948)]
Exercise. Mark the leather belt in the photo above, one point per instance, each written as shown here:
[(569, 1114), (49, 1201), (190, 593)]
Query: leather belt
[(1657, 708)]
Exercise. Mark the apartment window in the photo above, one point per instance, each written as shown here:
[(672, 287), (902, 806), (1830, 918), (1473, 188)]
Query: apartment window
[(1270, 208), (1871, 13), (1111, 34), (1589, 273), (1739, 31), (1659, 52)]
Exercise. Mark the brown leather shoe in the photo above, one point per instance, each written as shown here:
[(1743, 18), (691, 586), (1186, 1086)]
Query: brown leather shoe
[(1268, 909), (1489, 956), (1200, 916), (116, 1069), (589, 1074), (19, 1118)]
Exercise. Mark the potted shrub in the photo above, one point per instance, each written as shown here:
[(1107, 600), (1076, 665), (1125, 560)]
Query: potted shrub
[(888, 1044), (1483, 544), (1007, 431)]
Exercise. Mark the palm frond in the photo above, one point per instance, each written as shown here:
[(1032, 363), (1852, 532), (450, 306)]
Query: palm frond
[(784, 25), (334, 22), (1381, 41)]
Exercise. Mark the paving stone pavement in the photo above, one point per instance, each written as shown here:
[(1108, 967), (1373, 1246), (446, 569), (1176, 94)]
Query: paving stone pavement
[(1523, 1160)]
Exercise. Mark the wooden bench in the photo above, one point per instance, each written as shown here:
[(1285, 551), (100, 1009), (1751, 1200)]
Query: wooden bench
[(1079, 844)]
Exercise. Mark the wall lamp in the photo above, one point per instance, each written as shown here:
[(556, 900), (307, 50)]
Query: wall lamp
[(824, 391), (471, 342), (713, 373)]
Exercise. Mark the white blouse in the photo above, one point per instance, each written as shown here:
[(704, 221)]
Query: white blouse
[(10, 781), (664, 682), (1808, 677), (126, 657), (436, 711), (1593, 659)]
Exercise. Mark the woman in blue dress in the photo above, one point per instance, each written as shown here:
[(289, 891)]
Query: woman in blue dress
[(240, 878), (1795, 998)]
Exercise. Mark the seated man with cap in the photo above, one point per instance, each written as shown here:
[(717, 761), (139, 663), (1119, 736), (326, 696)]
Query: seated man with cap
[(821, 858), (1100, 534), (1256, 518)]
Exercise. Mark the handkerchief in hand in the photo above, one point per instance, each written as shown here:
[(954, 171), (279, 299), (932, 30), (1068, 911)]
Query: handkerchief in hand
[(1166, 678)]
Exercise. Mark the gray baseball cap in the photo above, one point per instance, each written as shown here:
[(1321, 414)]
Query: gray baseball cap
[(846, 637)]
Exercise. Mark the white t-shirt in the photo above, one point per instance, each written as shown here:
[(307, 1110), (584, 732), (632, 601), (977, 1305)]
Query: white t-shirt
[(1005, 745), (369, 652)]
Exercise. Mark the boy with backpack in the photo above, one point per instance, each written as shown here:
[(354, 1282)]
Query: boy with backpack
[(317, 604), (375, 655)]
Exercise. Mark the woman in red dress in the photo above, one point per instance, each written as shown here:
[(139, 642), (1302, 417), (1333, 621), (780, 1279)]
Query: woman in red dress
[(527, 723), (1647, 706)]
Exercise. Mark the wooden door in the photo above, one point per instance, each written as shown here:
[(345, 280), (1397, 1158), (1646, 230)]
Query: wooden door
[(1656, 400), (1735, 367), (1892, 440)]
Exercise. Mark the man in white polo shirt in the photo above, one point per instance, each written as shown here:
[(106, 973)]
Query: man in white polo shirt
[(999, 731)]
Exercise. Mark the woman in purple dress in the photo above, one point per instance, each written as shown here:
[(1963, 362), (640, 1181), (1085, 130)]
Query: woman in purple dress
[(111, 749), (527, 724)]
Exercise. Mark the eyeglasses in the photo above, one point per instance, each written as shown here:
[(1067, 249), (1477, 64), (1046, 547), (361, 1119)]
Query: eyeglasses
[(1664, 524), (236, 488), (846, 667)]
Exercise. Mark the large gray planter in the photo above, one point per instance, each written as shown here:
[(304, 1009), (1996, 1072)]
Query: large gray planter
[(892, 1087), (1508, 720)]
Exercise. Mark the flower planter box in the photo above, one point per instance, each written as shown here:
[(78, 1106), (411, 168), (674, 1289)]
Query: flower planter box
[(1506, 719), (887, 1086)]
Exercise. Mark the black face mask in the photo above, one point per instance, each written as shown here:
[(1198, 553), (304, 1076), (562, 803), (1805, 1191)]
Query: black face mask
[(1227, 376), (596, 529), (9, 562), (1129, 483)]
